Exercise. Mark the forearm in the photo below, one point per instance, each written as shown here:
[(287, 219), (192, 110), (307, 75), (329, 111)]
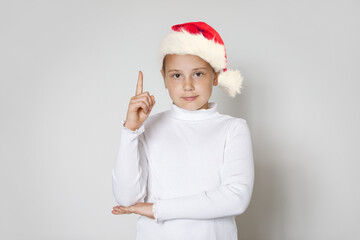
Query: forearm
[(226, 200), (129, 173)]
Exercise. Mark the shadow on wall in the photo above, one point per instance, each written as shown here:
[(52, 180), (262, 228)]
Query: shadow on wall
[(261, 220), (264, 218)]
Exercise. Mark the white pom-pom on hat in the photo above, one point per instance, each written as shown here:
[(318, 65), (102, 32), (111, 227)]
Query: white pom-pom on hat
[(231, 82), (200, 39)]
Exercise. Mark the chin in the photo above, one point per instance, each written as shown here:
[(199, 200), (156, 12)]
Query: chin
[(190, 105), (193, 106)]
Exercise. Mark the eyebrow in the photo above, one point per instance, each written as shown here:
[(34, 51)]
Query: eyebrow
[(176, 70)]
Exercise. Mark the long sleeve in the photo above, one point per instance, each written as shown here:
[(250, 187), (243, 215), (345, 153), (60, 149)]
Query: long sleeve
[(232, 197), (129, 175)]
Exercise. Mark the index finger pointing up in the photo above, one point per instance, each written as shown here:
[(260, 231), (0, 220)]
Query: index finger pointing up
[(139, 86)]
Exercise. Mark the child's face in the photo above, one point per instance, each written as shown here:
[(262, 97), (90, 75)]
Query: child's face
[(189, 76)]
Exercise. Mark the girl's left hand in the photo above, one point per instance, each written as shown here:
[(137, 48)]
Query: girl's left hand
[(144, 209)]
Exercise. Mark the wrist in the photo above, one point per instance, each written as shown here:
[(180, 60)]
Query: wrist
[(131, 127)]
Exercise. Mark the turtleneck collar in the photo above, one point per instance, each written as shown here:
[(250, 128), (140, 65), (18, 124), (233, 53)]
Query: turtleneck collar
[(193, 115)]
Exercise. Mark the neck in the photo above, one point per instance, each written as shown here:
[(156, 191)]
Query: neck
[(206, 106), (193, 115)]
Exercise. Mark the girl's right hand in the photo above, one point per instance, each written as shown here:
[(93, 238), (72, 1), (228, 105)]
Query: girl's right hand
[(140, 106)]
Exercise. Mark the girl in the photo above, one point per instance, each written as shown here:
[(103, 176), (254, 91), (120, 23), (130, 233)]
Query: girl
[(187, 171)]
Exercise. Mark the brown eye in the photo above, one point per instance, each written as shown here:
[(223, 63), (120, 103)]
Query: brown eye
[(177, 75), (199, 74)]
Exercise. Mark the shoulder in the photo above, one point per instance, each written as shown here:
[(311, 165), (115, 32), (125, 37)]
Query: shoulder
[(237, 132), (156, 119), (234, 123), (236, 129)]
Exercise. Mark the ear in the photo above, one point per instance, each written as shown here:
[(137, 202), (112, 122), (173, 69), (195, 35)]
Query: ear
[(163, 75), (215, 81)]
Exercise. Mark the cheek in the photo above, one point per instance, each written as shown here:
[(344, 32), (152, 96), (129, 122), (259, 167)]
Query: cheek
[(173, 87), (206, 85)]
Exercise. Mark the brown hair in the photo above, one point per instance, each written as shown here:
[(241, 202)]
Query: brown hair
[(163, 65)]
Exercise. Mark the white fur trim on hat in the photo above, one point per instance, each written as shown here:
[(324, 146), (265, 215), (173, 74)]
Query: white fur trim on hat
[(184, 42)]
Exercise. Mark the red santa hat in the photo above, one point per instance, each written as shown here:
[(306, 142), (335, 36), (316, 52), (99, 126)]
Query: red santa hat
[(200, 39)]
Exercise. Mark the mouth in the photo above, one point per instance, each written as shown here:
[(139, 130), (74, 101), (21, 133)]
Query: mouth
[(190, 98)]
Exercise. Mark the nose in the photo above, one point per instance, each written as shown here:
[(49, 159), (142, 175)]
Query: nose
[(188, 84)]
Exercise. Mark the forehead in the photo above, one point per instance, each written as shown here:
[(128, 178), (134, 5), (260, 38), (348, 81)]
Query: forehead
[(185, 61)]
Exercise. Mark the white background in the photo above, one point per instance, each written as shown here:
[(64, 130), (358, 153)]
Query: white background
[(69, 68)]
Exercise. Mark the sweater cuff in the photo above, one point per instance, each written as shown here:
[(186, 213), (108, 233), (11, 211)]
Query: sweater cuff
[(138, 131), (154, 209)]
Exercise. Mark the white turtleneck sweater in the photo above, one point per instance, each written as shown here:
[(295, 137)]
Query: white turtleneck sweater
[(195, 166)]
